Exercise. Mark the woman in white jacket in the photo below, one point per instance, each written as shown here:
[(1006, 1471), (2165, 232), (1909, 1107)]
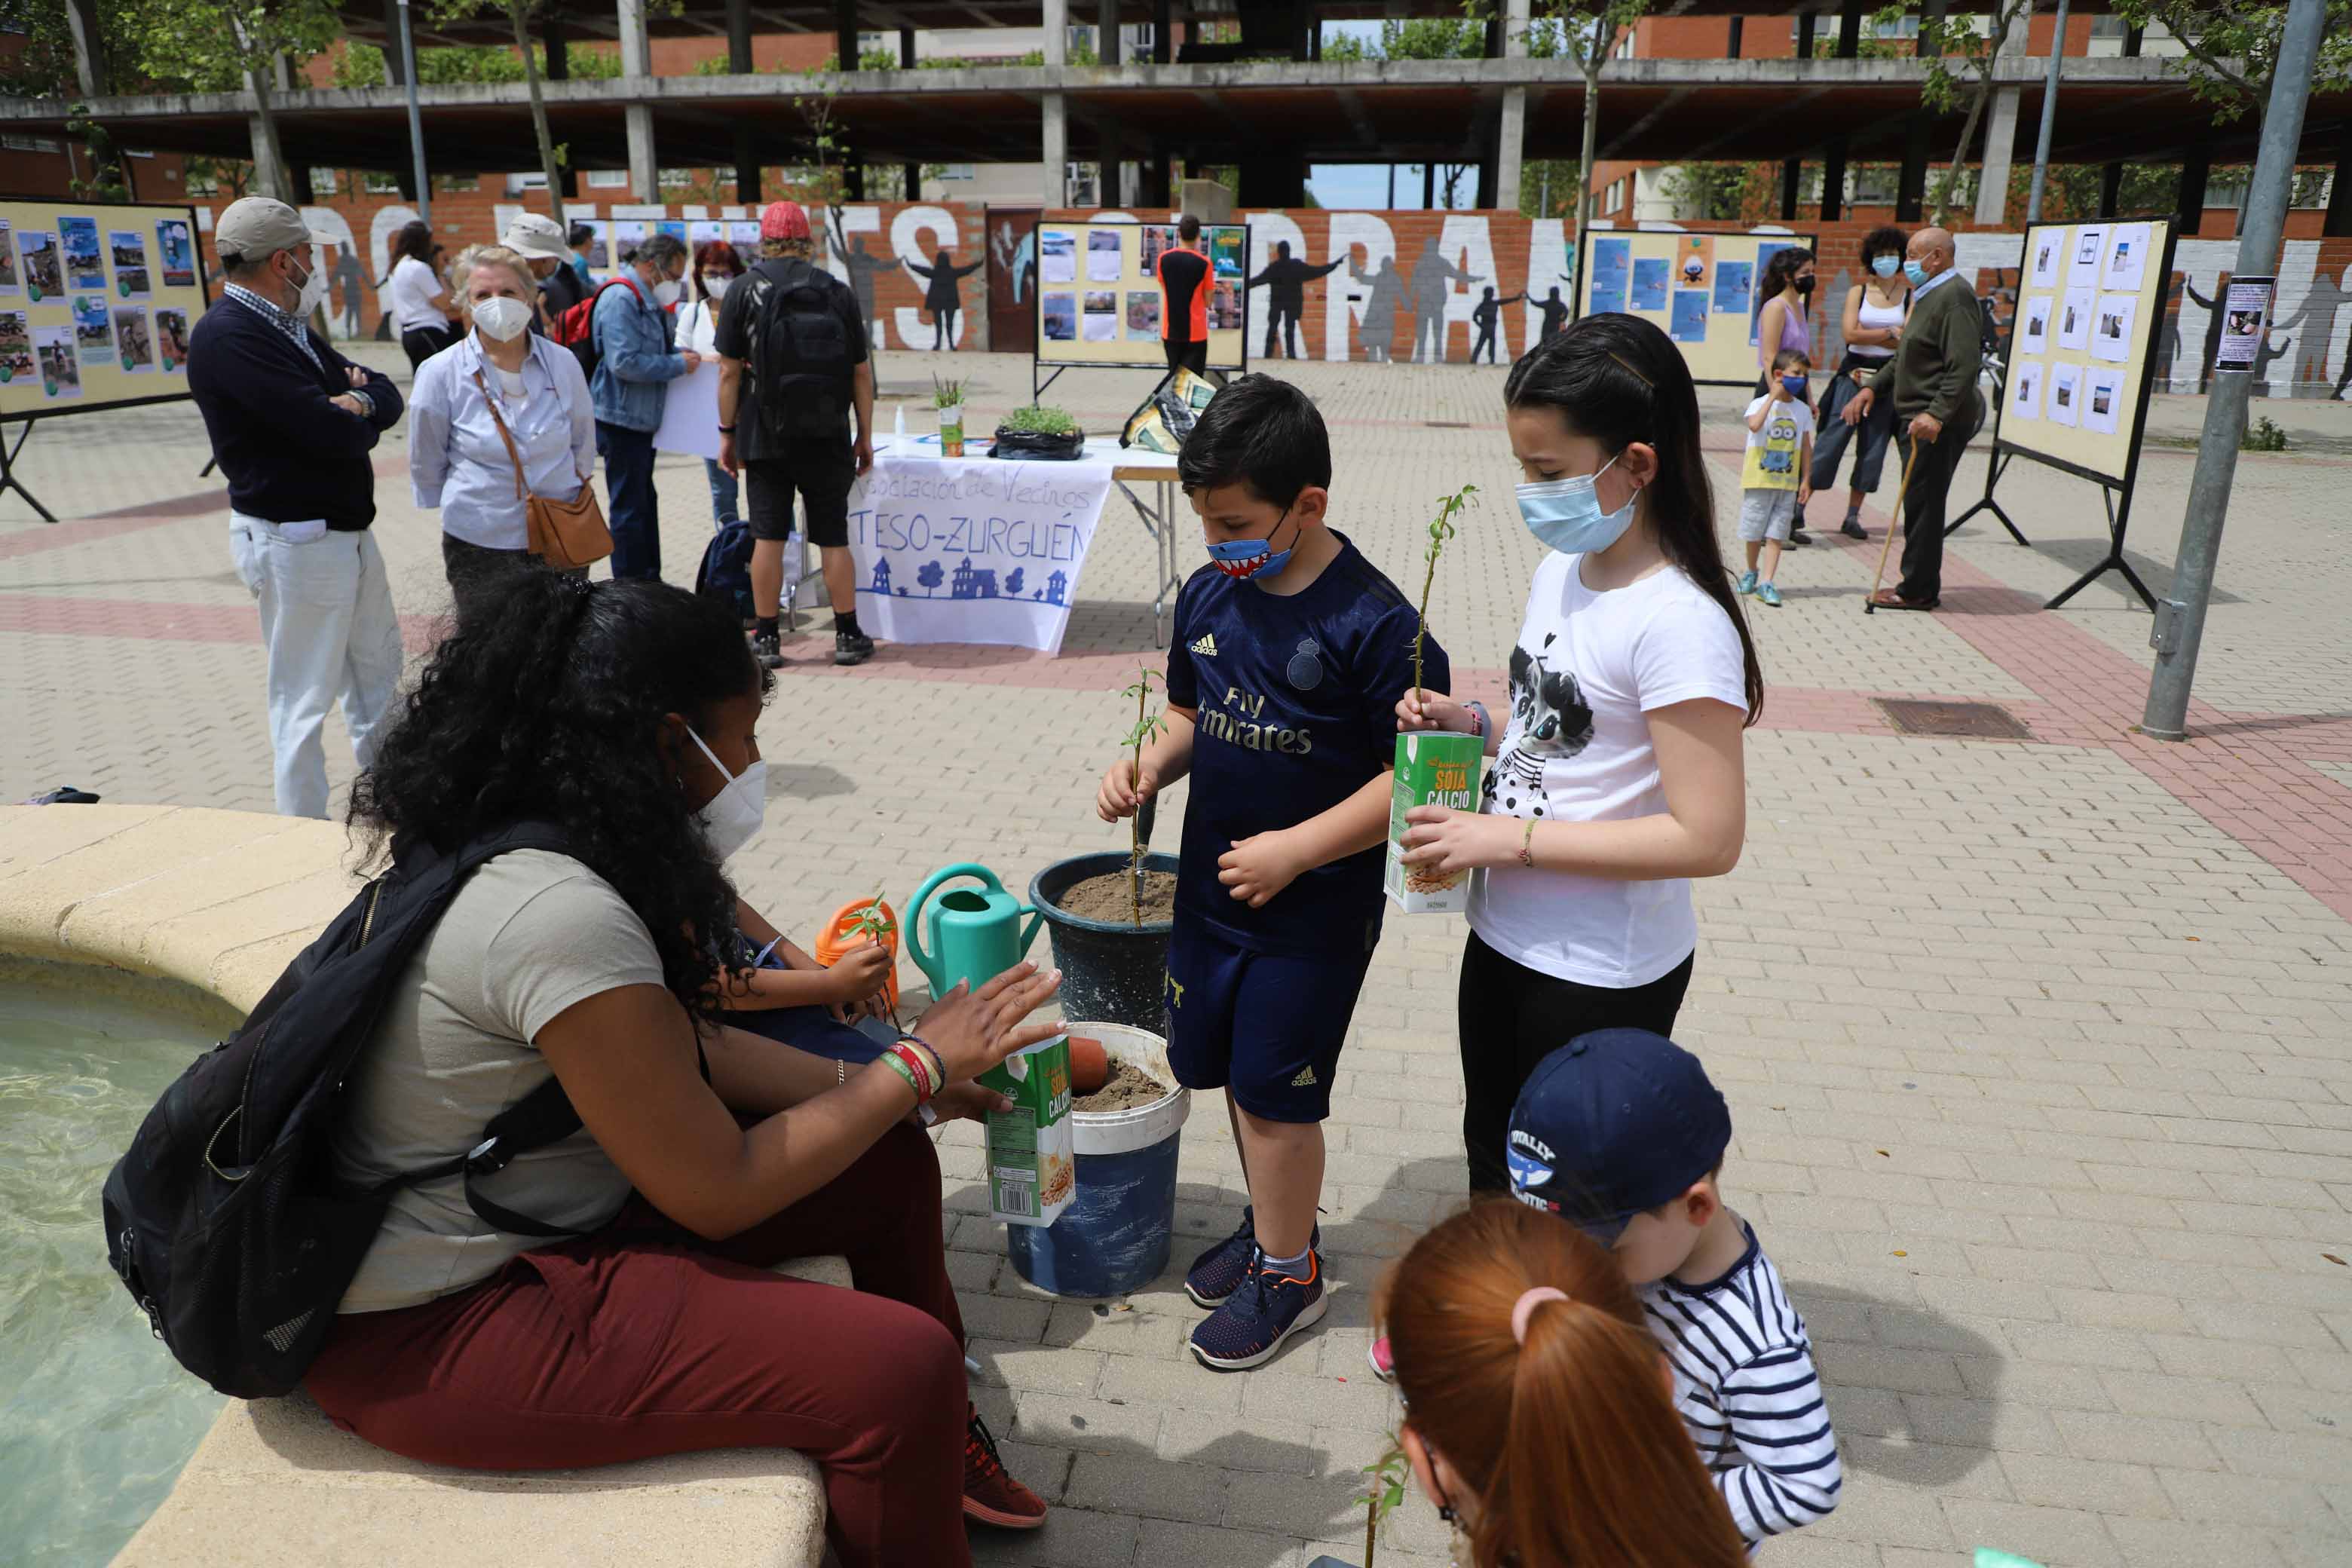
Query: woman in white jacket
[(716, 266)]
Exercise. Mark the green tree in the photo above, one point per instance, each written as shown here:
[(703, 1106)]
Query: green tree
[(1586, 32), (518, 15), (1722, 192), (1944, 40), (220, 46), (362, 65), (2232, 48)]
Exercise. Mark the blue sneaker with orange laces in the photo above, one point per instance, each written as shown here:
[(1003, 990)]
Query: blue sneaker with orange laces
[(1218, 1272), (1268, 1308)]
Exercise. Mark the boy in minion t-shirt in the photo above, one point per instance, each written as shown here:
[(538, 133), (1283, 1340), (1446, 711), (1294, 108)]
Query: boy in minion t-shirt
[(1290, 653)]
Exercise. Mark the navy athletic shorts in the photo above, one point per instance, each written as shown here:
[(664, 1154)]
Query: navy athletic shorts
[(1266, 1025)]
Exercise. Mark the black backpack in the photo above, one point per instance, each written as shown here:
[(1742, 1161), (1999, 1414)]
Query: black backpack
[(802, 358), (223, 1217)]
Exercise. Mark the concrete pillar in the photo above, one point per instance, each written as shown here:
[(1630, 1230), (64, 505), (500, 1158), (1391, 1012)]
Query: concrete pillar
[(845, 34), (738, 37), (1163, 34), (1056, 151), (1107, 41), (1057, 23), (1511, 128), (1849, 40), (911, 177), (89, 53), (2196, 167), (2339, 220), (1833, 183), (1911, 184), (636, 49), (637, 60), (2000, 136), (1731, 43), (2111, 188), (1792, 175), (907, 49)]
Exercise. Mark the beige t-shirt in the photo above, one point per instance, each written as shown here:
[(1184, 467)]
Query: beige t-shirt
[(529, 935)]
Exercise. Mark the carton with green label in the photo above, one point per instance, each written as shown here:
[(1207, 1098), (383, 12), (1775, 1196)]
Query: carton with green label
[(1432, 768), (1032, 1172)]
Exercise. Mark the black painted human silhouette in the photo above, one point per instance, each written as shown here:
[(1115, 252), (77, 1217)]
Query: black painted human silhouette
[(1555, 313), (943, 299), (1431, 273), (2212, 325), (1484, 316), (2317, 319), (1380, 309), (1285, 279), (862, 265), (347, 279)]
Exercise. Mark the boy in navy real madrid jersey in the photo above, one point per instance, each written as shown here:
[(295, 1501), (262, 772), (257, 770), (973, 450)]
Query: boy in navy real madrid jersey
[(1290, 653)]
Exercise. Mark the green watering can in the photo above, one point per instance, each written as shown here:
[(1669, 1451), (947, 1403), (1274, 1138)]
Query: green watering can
[(976, 933)]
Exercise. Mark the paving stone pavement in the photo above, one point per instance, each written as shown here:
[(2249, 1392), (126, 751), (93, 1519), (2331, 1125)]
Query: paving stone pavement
[(2040, 1053)]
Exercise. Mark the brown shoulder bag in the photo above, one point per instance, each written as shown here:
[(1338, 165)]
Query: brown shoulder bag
[(569, 535)]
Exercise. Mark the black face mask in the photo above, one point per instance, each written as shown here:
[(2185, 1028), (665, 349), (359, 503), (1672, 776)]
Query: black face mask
[(1804, 287)]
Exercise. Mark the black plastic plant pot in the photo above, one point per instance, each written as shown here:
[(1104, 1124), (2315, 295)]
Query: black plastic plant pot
[(1112, 969), (1038, 446)]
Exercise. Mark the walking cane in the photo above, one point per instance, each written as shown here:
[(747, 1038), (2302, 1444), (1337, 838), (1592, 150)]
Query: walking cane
[(1900, 518)]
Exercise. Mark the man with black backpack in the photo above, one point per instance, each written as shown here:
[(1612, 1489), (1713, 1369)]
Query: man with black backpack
[(796, 329)]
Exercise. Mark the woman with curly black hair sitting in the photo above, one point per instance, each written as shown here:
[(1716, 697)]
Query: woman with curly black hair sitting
[(624, 715)]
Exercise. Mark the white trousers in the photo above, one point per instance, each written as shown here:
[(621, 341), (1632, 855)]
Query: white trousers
[(328, 622)]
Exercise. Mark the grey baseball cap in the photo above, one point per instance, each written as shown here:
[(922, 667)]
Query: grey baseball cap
[(256, 227), (538, 237)]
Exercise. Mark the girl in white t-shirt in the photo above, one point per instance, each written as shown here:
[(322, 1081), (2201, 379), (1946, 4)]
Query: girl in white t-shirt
[(1619, 776)]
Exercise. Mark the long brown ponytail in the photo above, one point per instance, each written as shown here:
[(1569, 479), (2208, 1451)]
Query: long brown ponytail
[(1571, 1441)]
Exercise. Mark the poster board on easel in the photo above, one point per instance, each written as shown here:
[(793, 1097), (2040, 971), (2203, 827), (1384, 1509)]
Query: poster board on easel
[(2079, 364), (97, 301), (1698, 289), (1098, 299)]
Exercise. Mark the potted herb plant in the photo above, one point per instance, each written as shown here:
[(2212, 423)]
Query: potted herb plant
[(947, 396), (1431, 767), (1109, 913), (1038, 431)]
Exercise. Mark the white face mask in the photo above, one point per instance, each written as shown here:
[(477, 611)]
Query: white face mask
[(733, 815), (666, 291), (714, 287), (313, 293), (502, 319)]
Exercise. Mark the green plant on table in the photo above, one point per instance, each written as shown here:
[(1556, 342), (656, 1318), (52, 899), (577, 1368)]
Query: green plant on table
[(946, 394), (1037, 419), (1441, 529), (1383, 1495), (1147, 725)]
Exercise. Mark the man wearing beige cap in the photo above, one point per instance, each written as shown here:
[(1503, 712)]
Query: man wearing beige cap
[(292, 423), (539, 239)]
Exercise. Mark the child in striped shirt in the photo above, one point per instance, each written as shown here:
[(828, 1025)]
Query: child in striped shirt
[(1620, 1133)]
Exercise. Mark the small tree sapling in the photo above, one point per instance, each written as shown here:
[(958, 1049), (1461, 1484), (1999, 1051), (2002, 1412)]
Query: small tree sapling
[(1441, 529), (1383, 1495), (1147, 725)]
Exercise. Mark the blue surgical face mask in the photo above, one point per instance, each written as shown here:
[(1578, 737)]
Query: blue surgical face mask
[(1886, 266), (1241, 559), (1565, 514), (1794, 385), (1916, 273)]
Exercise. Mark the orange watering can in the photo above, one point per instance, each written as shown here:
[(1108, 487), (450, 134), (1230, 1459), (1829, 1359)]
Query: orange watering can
[(859, 921)]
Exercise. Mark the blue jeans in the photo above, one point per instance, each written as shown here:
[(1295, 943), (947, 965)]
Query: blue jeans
[(724, 489), (631, 509), (1870, 437)]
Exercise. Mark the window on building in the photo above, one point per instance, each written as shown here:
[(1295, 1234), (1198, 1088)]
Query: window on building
[(608, 179), (380, 182), (677, 176), (28, 144), (1084, 181), (532, 180)]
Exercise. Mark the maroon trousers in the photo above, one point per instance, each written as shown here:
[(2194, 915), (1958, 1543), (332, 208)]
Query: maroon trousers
[(646, 1340)]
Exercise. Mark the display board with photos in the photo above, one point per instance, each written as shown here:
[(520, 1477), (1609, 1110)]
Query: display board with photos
[(1699, 287), (2090, 306), (97, 303), (1098, 299)]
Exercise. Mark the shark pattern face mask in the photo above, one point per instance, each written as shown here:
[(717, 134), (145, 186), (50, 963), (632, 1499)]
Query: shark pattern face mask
[(1243, 559)]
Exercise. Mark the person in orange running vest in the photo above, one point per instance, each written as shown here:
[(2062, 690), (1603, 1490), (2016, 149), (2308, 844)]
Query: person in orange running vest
[(1183, 274)]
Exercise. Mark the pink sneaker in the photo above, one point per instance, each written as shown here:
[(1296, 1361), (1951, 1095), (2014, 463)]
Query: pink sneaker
[(1384, 1363)]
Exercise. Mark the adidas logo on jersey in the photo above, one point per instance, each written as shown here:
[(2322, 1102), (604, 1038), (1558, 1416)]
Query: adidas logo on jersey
[(1305, 1078), (1207, 645)]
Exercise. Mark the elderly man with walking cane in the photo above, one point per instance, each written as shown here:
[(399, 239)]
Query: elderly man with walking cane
[(1937, 411)]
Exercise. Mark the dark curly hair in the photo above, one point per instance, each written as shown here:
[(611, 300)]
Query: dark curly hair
[(547, 704), (1884, 239)]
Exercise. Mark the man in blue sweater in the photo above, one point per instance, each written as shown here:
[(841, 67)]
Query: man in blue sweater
[(292, 423)]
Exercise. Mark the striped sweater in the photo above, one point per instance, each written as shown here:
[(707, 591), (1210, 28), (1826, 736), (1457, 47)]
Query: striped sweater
[(1746, 1388)]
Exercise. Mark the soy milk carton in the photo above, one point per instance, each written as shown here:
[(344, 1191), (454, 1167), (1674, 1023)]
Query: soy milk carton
[(1033, 1171), (1431, 769)]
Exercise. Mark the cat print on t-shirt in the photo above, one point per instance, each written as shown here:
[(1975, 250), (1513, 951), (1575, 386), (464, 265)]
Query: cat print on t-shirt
[(1549, 721)]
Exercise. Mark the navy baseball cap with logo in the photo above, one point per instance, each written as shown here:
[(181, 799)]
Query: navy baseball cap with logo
[(1612, 1124)]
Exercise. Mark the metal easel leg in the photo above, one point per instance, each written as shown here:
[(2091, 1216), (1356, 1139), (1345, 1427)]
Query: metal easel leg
[(1992, 478), (8, 479), (2113, 562)]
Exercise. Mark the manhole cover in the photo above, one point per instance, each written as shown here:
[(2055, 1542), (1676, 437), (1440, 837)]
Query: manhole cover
[(1446, 425), (1974, 720)]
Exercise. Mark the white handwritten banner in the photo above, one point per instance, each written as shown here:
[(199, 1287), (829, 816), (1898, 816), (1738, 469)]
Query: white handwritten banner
[(971, 550)]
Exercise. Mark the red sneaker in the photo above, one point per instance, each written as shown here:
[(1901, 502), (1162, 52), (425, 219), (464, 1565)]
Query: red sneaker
[(990, 1495)]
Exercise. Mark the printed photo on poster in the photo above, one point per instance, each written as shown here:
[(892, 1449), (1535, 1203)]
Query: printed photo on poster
[(44, 270), (2084, 261), (1649, 283), (15, 347), (85, 264), (2049, 257), (2127, 258), (1157, 240), (131, 341), (11, 282), (1061, 317), (53, 347), (1101, 325), (1611, 273), (130, 249), (628, 232), (1104, 262), (2065, 393), (1058, 257), (2025, 391), (703, 230), (1734, 280), (600, 247), (2245, 323), (1225, 251), (175, 253), (1225, 309), (743, 234), (2102, 400), (172, 339), (2074, 313), (2033, 333), (93, 329), (1143, 315), (1688, 321), (2111, 327), (673, 226), (1695, 261)]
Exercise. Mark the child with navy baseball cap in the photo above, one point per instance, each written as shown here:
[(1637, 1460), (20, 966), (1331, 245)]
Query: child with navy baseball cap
[(1620, 1134)]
